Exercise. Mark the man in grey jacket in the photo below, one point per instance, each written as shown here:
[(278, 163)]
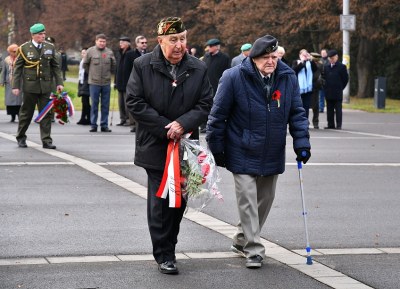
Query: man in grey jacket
[(100, 64)]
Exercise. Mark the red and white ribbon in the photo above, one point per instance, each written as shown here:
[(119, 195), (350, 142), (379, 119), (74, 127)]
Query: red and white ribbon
[(170, 183)]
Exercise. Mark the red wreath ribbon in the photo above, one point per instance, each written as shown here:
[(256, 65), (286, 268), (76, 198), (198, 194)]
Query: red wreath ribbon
[(170, 183)]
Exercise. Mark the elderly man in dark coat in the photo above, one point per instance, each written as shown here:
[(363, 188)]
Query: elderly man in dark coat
[(168, 94), (246, 132), (336, 78)]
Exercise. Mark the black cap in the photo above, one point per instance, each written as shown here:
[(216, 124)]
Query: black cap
[(264, 45), (125, 38), (332, 52)]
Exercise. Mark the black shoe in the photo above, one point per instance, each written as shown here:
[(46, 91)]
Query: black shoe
[(49, 146), (168, 267), (81, 122), (339, 127), (329, 127), (238, 250), (133, 129), (316, 127), (105, 129), (254, 262), (93, 129), (22, 143), (121, 123)]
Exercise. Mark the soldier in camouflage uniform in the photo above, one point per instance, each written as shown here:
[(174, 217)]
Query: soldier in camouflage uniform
[(34, 68)]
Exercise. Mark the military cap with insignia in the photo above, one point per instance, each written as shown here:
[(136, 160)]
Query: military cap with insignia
[(37, 28), (264, 45), (170, 25)]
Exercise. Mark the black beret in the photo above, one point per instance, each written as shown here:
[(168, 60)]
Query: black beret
[(264, 45), (125, 38), (332, 52), (170, 25)]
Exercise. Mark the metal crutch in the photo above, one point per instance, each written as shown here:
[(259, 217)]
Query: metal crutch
[(308, 248)]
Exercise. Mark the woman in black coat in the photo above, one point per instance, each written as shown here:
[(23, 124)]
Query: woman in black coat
[(84, 93)]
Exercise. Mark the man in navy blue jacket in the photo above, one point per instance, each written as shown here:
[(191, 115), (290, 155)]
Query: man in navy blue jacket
[(336, 78), (246, 132)]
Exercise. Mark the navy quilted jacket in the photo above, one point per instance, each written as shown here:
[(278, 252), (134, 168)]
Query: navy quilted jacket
[(249, 127)]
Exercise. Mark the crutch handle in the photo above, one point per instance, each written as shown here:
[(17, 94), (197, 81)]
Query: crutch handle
[(299, 164)]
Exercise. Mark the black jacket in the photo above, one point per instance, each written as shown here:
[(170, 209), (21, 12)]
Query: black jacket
[(83, 88), (216, 65), (155, 100), (130, 56), (336, 79), (120, 81)]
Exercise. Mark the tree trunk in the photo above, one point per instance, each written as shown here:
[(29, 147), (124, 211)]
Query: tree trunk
[(365, 68)]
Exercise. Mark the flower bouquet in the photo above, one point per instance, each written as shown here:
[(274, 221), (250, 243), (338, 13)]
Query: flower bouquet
[(62, 105), (199, 174), (190, 172)]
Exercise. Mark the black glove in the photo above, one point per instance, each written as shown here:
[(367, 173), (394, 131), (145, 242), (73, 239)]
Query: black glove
[(220, 159), (303, 155)]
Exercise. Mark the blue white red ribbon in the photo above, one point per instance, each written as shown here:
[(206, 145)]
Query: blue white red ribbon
[(51, 103)]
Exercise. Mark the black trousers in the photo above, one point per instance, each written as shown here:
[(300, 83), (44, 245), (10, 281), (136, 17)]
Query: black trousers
[(306, 99), (162, 220), (334, 107), (315, 108), (85, 108)]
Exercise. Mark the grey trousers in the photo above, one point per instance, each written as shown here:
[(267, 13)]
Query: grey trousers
[(254, 195)]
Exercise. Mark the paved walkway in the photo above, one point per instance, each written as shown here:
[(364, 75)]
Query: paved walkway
[(96, 157)]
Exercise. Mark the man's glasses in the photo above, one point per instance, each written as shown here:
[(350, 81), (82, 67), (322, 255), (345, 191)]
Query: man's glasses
[(143, 42)]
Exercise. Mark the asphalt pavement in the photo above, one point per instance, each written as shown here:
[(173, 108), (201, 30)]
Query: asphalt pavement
[(75, 217)]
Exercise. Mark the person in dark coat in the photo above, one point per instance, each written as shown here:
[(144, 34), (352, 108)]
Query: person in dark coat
[(317, 85), (84, 92), (217, 62), (64, 63), (336, 79), (131, 55), (246, 132), (120, 84), (168, 94)]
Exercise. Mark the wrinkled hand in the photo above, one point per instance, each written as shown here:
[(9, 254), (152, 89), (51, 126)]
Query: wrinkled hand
[(15, 91), (220, 159), (303, 155), (60, 88), (175, 130)]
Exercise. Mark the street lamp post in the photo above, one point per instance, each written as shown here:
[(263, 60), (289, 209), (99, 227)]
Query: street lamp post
[(347, 24)]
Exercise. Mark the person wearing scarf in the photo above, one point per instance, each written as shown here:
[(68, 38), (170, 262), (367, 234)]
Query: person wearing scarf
[(304, 69)]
